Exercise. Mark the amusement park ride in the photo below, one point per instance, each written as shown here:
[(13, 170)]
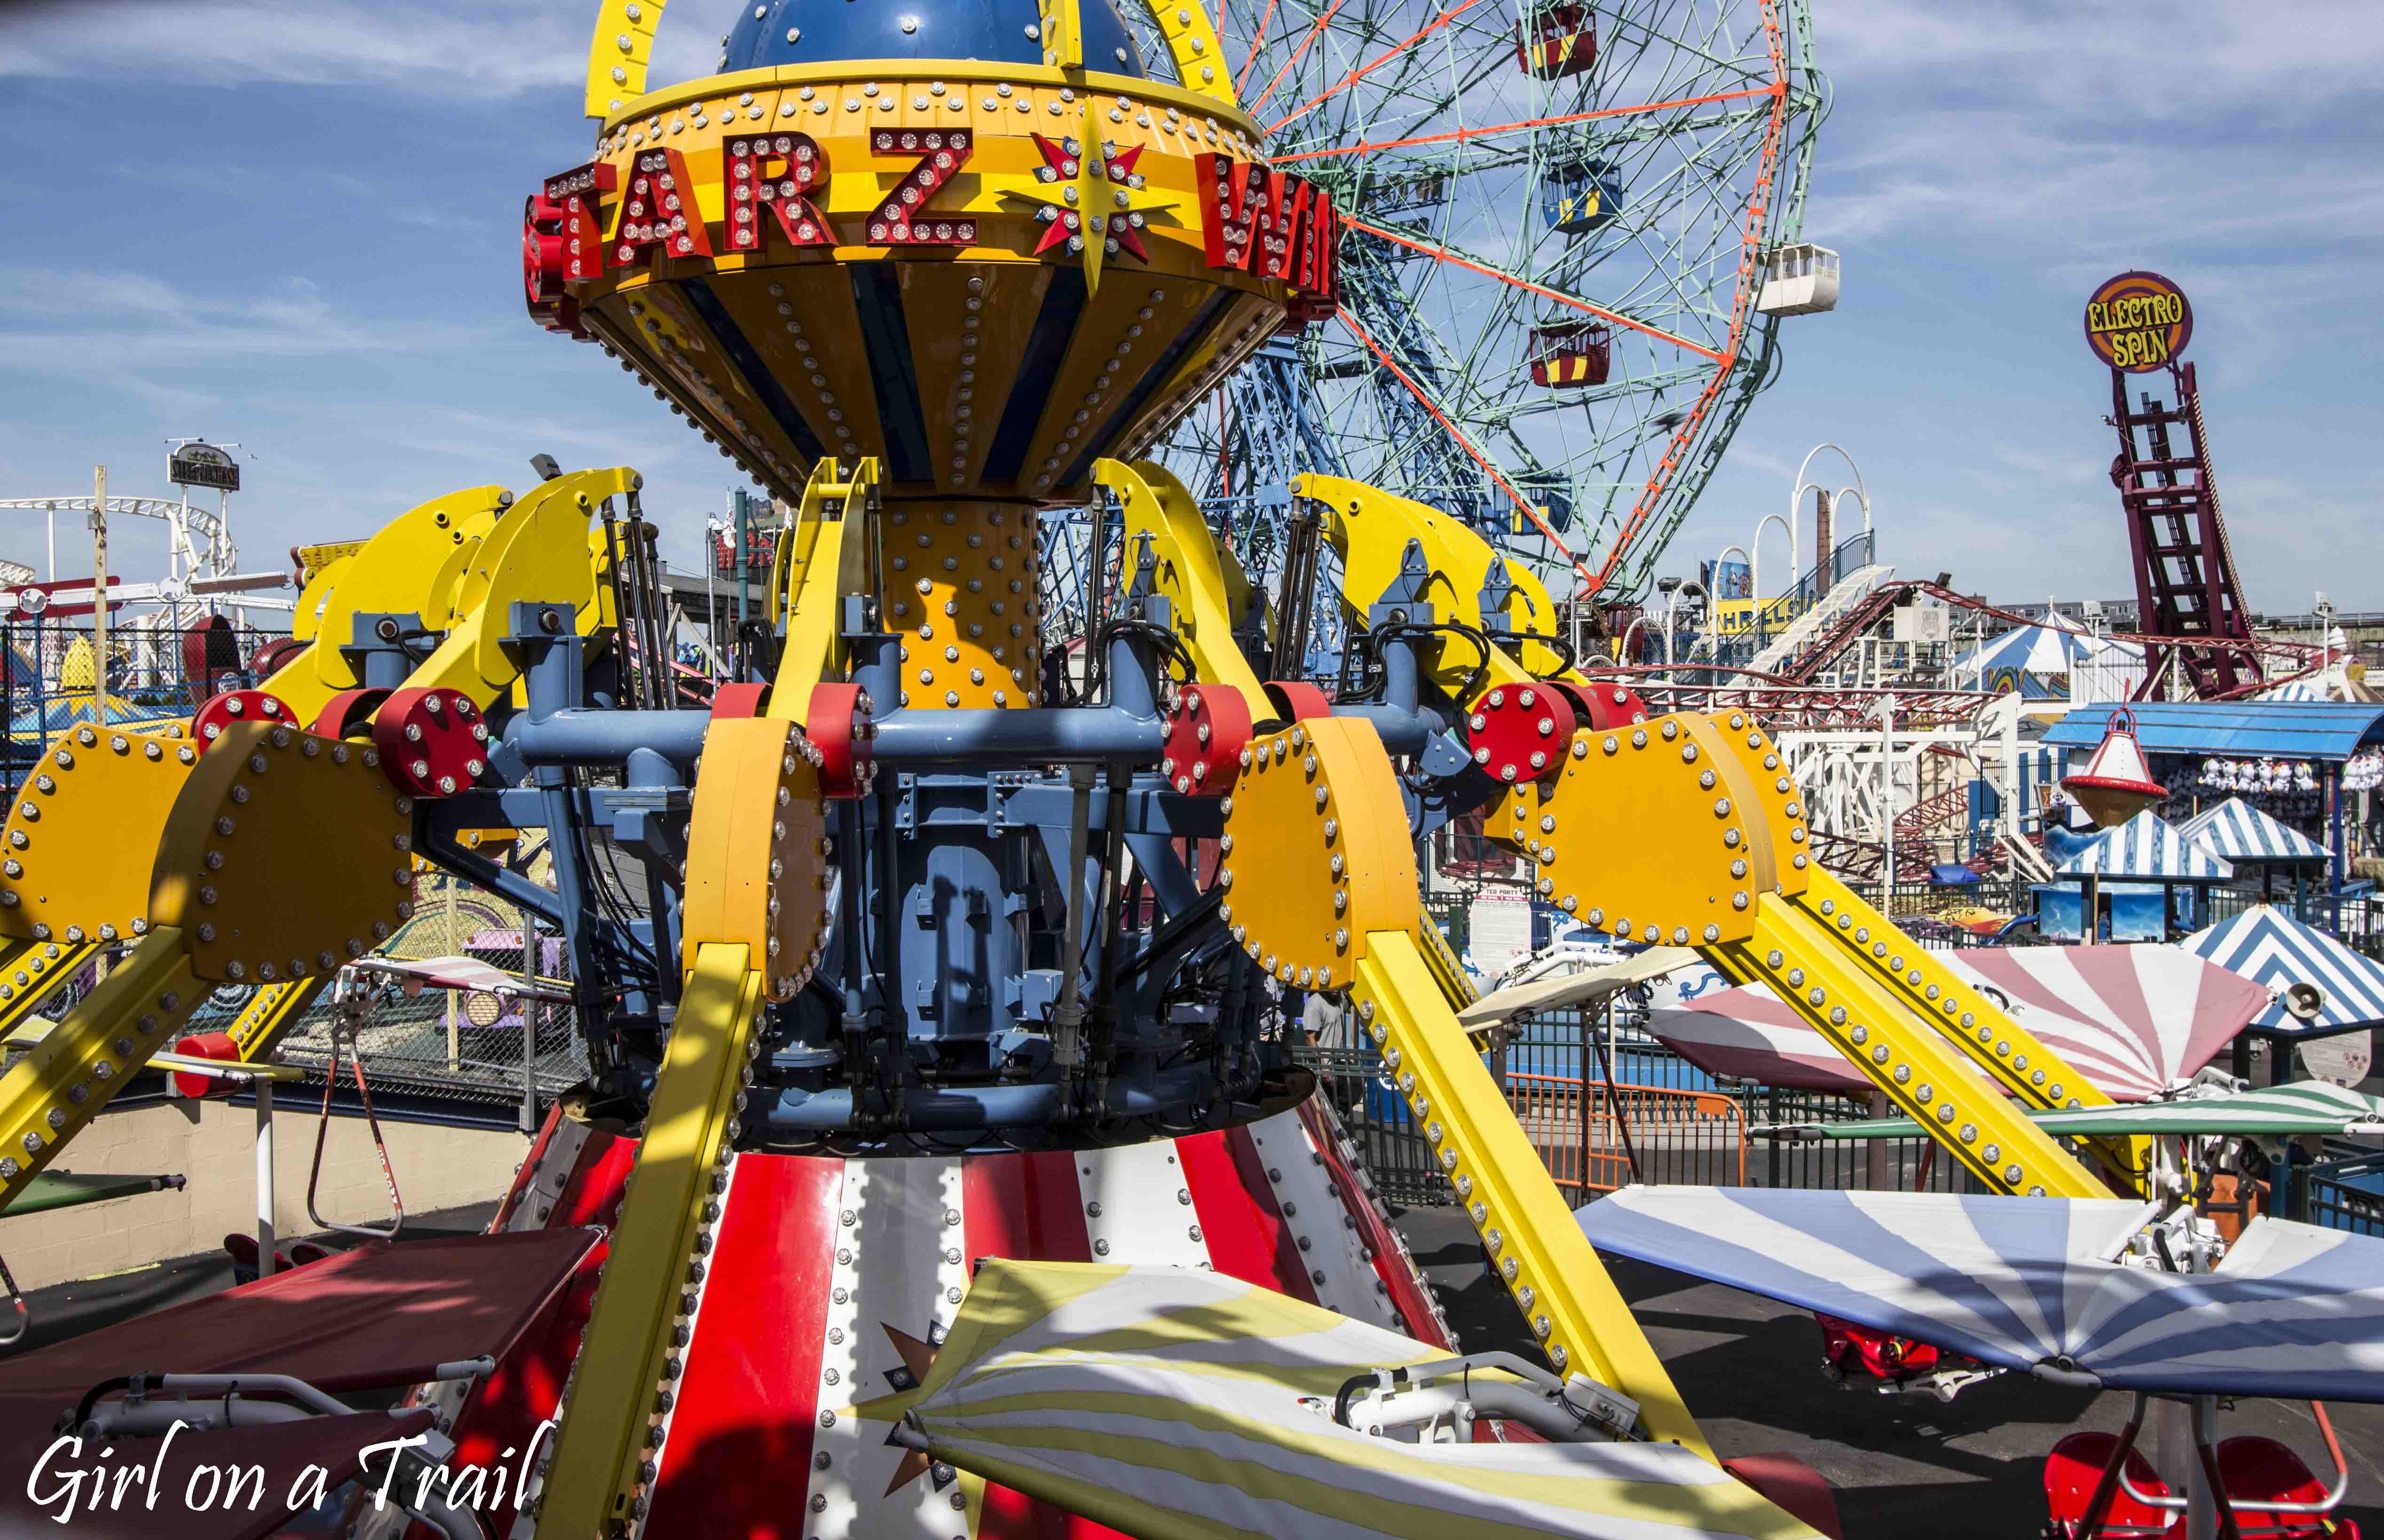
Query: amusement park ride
[(926, 277)]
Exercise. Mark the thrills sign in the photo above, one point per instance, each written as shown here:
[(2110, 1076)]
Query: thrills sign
[(2137, 321)]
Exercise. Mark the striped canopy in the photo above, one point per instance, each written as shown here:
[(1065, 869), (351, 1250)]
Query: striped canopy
[(2235, 830), (2144, 847), (2270, 947), (2292, 1309), (2305, 1107), (2133, 1020), (2045, 649), (2333, 684), (1177, 1404)]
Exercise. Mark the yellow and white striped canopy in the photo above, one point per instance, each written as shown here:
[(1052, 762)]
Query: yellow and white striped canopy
[(1177, 1404)]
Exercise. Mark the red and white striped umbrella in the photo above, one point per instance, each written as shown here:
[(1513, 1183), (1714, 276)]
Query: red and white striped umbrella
[(2130, 1019)]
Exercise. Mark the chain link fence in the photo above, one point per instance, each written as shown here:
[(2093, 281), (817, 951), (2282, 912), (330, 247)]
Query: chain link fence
[(472, 1049)]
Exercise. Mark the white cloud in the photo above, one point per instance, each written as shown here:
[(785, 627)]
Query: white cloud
[(504, 46), (109, 324), (2179, 61)]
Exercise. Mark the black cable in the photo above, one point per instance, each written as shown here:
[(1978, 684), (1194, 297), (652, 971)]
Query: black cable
[(1480, 642), (1558, 645), (1096, 680), (639, 958)]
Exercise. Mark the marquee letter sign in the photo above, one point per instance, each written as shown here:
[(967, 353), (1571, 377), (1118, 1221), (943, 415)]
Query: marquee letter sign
[(661, 213), (903, 219), (777, 173), (1273, 224)]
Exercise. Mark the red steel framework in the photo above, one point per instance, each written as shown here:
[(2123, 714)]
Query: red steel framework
[(2187, 595)]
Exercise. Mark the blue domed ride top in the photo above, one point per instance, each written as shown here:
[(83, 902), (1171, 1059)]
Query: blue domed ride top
[(772, 32)]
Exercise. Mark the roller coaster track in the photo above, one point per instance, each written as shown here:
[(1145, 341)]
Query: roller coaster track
[(2296, 657)]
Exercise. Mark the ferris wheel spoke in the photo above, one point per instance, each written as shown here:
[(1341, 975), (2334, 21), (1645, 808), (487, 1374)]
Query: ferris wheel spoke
[(1258, 41), (1523, 125), (1315, 32), (1424, 399), (1447, 254), (1435, 24)]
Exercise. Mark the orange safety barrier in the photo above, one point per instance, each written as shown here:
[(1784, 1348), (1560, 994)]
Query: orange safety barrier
[(1586, 1136)]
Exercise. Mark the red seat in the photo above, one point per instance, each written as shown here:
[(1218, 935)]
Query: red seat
[(2071, 1474), (1851, 1349), (2257, 1469)]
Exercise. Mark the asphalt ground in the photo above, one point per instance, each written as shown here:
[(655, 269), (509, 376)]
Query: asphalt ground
[(1749, 1368)]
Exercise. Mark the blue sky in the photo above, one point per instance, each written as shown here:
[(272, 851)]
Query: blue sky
[(296, 225)]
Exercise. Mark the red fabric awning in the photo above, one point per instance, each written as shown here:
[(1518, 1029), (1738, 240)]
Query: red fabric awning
[(379, 1315)]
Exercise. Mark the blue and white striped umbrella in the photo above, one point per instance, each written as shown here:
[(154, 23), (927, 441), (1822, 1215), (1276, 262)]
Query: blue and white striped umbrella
[(2235, 830), (2028, 1282), (2267, 945), (2146, 847)]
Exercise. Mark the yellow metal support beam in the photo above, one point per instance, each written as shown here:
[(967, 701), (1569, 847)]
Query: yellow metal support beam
[(1062, 24), (31, 970), (271, 1012), (755, 915), (619, 54), (1190, 571), (1546, 1264), (537, 550), (614, 1396), (402, 569), (1685, 829), (53, 1093), (1333, 889), (1791, 950), (1199, 55), (826, 555)]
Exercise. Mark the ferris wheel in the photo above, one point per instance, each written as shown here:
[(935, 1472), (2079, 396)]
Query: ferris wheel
[(1561, 218)]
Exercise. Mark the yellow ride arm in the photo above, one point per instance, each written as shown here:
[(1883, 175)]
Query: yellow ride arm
[(824, 556), (1190, 569), (1682, 830), (755, 912)]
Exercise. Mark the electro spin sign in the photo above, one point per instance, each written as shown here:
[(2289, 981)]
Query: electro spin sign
[(2137, 321)]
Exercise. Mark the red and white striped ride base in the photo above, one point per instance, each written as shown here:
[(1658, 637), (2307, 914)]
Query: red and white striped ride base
[(827, 1271)]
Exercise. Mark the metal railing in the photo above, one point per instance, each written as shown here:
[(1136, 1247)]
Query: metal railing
[(1594, 1138), (1660, 1120), (2342, 1194), (149, 680), (1379, 1122)]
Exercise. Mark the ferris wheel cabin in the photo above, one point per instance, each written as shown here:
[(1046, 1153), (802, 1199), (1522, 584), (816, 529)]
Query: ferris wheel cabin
[(1554, 41), (1799, 280), (1572, 354), (1582, 197)]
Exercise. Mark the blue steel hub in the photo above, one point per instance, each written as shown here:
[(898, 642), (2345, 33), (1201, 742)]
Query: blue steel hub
[(995, 32)]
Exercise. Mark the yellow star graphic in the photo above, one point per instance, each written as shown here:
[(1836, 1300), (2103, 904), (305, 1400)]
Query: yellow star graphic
[(1093, 200)]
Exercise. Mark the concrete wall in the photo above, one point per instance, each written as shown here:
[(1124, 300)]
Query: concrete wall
[(213, 1144)]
